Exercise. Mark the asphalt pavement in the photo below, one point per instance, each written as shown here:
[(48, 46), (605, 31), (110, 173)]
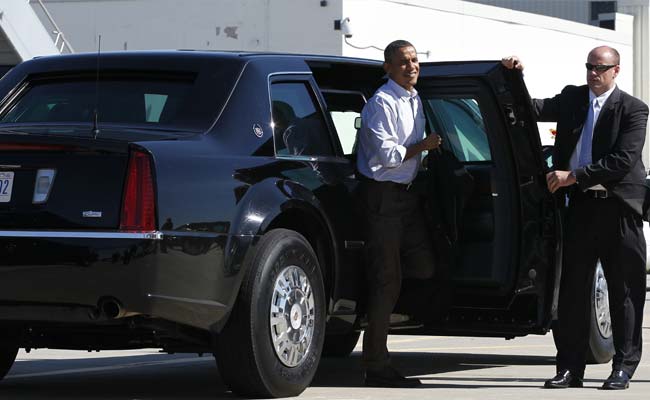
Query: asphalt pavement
[(455, 368)]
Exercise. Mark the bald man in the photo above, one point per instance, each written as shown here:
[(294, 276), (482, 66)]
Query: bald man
[(597, 163)]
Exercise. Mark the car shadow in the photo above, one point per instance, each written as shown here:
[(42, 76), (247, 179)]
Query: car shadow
[(151, 377), (162, 376), (349, 373)]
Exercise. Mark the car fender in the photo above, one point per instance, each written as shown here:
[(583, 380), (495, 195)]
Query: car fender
[(259, 210)]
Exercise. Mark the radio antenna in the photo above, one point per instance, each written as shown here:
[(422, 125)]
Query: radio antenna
[(96, 111)]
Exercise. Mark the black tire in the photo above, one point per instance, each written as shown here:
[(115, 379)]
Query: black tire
[(601, 342), (8, 354), (340, 346), (246, 356)]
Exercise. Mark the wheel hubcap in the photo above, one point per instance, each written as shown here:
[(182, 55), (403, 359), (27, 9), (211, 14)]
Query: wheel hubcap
[(601, 303), (292, 316)]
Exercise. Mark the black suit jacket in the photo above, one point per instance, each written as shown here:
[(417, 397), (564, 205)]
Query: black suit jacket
[(619, 135)]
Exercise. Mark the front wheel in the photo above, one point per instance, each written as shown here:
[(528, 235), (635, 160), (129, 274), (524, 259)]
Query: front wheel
[(271, 345)]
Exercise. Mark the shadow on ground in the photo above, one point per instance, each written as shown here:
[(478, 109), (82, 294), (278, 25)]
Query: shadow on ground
[(348, 372), (154, 377)]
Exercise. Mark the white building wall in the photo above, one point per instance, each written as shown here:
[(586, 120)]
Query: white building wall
[(640, 9), (447, 29), (23, 36), (163, 24), (253, 25), (573, 10), (553, 50), (579, 10)]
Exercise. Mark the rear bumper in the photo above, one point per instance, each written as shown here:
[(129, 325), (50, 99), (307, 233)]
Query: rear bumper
[(63, 276), (156, 235)]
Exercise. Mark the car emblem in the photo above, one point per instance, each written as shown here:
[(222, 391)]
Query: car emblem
[(92, 214), (258, 131)]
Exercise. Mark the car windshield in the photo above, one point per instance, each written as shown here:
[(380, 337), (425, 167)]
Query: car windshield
[(167, 103)]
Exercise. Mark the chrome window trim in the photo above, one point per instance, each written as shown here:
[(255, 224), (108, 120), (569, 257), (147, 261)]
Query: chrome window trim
[(334, 159)]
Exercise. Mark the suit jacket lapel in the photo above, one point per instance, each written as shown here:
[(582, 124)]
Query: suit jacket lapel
[(608, 108), (606, 114), (579, 117)]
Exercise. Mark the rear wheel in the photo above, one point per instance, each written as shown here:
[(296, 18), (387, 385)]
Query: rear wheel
[(339, 346), (272, 343), (601, 342)]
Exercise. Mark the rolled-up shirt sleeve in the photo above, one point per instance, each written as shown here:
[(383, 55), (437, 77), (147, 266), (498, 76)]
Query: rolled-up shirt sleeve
[(380, 120)]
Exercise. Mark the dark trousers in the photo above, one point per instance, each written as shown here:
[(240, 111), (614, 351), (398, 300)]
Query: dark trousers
[(397, 241), (601, 229)]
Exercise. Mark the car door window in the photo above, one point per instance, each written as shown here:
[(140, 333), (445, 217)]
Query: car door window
[(345, 107), (299, 128), (462, 125)]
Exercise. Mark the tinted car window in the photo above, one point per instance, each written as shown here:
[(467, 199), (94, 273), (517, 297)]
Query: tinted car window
[(298, 126), (463, 126), (118, 101)]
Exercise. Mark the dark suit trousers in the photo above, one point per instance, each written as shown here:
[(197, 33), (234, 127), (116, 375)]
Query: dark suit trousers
[(397, 242), (602, 229)]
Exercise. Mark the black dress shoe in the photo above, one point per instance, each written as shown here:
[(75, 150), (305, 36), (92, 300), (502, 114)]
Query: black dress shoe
[(563, 380), (389, 377), (618, 380)]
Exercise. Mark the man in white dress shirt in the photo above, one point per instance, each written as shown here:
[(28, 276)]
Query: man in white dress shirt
[(391, 141)]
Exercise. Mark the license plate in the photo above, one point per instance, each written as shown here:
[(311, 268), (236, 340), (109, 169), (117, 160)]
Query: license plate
[(6, 183)]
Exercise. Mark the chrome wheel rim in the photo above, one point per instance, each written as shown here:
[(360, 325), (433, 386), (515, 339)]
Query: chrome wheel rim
[(292, 316), (601, 303)]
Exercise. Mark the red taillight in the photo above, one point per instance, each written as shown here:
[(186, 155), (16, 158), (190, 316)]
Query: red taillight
[(138, 204)]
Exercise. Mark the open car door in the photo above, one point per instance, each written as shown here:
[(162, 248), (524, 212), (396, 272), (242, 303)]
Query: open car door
[(488, 192)]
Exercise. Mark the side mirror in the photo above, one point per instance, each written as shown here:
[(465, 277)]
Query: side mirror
[(357, 123)]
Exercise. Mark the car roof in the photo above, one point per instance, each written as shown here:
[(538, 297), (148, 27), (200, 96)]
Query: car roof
[(210, 55)]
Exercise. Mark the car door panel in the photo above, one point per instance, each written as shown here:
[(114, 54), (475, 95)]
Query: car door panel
[(487, 185)]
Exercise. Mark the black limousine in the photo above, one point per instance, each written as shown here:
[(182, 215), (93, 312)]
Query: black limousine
[(158, 199)]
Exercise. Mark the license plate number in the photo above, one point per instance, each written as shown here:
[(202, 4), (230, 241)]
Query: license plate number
[(6, 183)]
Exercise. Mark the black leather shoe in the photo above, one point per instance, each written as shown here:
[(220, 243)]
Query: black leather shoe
[(389, 377), (618, 380), (563, 380)]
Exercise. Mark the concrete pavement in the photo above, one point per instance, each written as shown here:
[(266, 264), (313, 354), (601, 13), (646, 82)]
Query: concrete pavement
[(451, 368)]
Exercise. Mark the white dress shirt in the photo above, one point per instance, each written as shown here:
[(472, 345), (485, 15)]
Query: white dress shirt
[(391, 121), (600, 102)]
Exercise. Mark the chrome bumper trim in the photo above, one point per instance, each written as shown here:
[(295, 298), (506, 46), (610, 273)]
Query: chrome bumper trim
[(155, 235), (186, 300)]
